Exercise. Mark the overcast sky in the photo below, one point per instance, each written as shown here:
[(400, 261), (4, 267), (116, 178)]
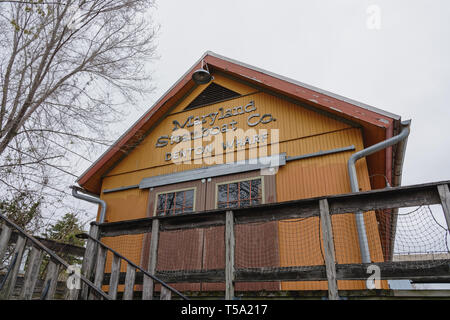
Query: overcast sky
[(398, 61)]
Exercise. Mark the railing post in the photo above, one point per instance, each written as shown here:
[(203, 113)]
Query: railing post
[(4, 240), (229, 255), (444, 193), (328, 245), (129, 283), (32, 273), (51, 279), (147, 292), (8, 287), (87, 266), (166, 294), (99, 270), (115, 274)]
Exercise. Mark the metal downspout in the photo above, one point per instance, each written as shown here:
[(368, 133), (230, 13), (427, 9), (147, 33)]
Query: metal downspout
[(362, 235), (92, 198), (400, 152)]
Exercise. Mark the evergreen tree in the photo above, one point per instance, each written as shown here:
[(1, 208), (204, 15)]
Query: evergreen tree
[(65, 231)]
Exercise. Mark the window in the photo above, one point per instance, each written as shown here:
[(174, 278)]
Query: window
[(239, 194), (176, 202)]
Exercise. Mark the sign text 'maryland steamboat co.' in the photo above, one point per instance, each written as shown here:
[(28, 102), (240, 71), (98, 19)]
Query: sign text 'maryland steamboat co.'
[(208, 125)]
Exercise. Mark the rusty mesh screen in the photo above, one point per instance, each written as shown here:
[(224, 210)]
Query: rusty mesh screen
[(417, 234)]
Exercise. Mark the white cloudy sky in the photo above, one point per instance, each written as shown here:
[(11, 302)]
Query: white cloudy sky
[(403, 67)]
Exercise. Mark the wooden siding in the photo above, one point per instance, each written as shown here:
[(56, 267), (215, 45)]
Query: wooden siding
[(125, 205), (206, 247), (315, 177), (293, 121), (305, 145), (302, 131)]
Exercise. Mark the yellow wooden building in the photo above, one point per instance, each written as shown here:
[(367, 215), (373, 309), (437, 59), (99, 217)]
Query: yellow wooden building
[(169, 163)]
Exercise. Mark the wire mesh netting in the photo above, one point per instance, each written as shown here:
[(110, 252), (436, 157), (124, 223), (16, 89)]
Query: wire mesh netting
[(414, 234), (300, 242), (257, 247), (345, 236), (418, 235), (129, 246), (183, 252)]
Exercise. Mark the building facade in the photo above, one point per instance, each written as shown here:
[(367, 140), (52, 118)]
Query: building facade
[(247, 137)]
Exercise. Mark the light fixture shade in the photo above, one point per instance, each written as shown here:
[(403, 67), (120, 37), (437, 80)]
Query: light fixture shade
[(201, 76)]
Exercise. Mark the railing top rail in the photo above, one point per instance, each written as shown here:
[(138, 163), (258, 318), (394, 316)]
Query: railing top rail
[(53, 256), (53, 245), (161, 282), (388, 198)]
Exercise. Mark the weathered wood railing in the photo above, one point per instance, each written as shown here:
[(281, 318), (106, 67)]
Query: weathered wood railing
[(149, 279), (323, 207), (12, 233)]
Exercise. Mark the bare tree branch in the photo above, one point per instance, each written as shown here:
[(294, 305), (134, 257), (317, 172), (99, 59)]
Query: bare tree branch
[(67, 70)]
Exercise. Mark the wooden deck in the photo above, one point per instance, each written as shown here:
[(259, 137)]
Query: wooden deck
[(93, 276), (323, 207)]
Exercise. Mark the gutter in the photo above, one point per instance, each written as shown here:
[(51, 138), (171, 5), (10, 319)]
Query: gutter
[(399, 158), (400, 139), (92, 198)]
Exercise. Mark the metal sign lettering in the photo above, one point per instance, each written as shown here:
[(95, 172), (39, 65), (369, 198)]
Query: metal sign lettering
[(210, 119)]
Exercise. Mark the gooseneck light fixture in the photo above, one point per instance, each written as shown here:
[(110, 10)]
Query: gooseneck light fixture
[(202, 76)]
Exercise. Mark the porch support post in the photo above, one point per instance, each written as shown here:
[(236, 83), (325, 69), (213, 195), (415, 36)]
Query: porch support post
[(229, 255), (328, 245)]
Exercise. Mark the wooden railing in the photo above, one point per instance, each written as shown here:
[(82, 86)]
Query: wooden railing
[(149, 279), (323, 207), (13, 235)]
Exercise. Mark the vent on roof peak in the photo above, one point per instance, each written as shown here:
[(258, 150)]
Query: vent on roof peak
[(212, 94)]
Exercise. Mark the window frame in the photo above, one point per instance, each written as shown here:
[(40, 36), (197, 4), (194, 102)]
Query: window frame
[(263, 192), (175, 191)]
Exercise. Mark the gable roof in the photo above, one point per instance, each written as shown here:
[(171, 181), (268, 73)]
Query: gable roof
[(367, 116)]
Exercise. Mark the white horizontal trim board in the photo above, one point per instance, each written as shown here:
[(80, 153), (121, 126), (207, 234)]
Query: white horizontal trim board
[(214, 171)]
